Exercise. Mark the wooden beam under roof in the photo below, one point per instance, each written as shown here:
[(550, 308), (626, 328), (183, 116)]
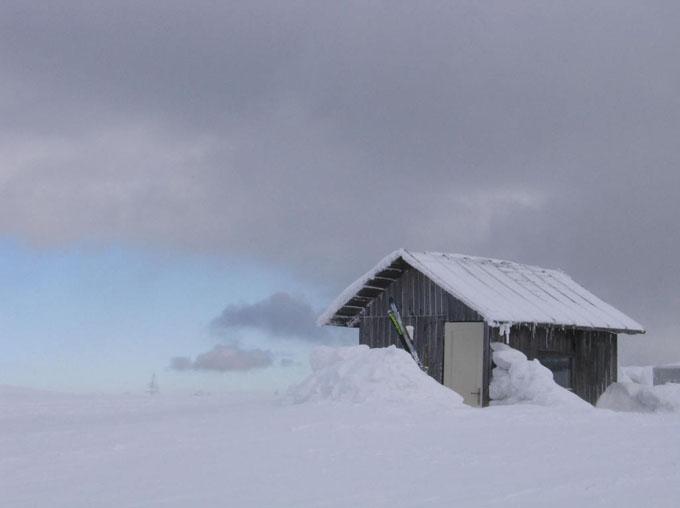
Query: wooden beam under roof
[(365, 299), (358, 302), (378, 283), (369, 292), (390, 279), (345, 312), (390, 273)]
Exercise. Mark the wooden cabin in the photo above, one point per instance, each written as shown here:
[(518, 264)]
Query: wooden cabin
[(459, 304)]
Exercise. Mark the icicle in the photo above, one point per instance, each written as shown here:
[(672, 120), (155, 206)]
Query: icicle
[(504, 331)]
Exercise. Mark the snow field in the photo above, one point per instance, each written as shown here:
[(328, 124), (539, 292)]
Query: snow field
[(366, 429), (253, 451)]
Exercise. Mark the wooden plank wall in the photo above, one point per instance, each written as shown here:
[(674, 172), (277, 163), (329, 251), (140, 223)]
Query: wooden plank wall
[(593, 353), (596, 364), (423, 305)]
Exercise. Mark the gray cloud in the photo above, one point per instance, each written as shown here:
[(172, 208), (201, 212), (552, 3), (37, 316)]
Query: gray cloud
[(288, 362), (225, 358), (320, 136), (279, 315), (181, 363)]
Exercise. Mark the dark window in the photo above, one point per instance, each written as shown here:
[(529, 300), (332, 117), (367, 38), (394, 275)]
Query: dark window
[(560, 366)]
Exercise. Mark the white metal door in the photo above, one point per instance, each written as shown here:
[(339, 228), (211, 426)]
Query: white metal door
[(464, 360)]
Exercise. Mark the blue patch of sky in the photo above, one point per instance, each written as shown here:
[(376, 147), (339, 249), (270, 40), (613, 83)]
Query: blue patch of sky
[(84, 319)]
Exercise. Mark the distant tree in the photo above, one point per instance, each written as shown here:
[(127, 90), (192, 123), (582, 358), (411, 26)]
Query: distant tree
[(153, 385)]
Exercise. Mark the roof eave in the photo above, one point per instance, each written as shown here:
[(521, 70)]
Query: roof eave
[(628, 331), (363, 290)]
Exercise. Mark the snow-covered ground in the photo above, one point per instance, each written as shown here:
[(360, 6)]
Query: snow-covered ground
[(362, 445)]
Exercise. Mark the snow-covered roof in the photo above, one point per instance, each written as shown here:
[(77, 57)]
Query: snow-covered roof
[(502, 292)]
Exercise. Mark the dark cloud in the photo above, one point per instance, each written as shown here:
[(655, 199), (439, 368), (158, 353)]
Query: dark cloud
[(279, 315), (321, 136), (225, 358), (181, 363)]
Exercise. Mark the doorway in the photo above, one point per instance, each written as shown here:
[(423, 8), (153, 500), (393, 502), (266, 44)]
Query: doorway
[(464, 360)]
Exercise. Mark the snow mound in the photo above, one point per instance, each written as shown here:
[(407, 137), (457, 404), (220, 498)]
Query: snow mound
[(361, 374), (641, 398), (634, 374), (516, 380)]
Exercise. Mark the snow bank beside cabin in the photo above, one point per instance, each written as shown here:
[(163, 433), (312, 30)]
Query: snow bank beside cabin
[(636, 392), (516, 380), (361, 374), (641, 398), (634, 374)]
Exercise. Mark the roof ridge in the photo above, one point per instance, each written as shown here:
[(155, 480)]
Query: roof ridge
[(484, 258)]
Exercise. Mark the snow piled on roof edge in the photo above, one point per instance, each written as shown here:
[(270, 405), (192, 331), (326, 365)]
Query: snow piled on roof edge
[(351, 290)]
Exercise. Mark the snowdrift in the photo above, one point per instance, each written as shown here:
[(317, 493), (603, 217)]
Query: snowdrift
[(636, 392), (361, 374), (640, 375), (641, 398), (516, 380)]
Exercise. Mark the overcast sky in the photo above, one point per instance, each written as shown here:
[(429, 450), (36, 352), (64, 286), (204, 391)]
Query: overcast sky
[(309, 139)]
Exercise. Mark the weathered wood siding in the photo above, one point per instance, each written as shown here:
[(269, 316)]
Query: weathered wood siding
[(593, 354), (423, 305)]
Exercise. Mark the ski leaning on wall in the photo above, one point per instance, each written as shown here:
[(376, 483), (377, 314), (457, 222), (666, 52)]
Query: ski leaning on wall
[(393, 312)]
